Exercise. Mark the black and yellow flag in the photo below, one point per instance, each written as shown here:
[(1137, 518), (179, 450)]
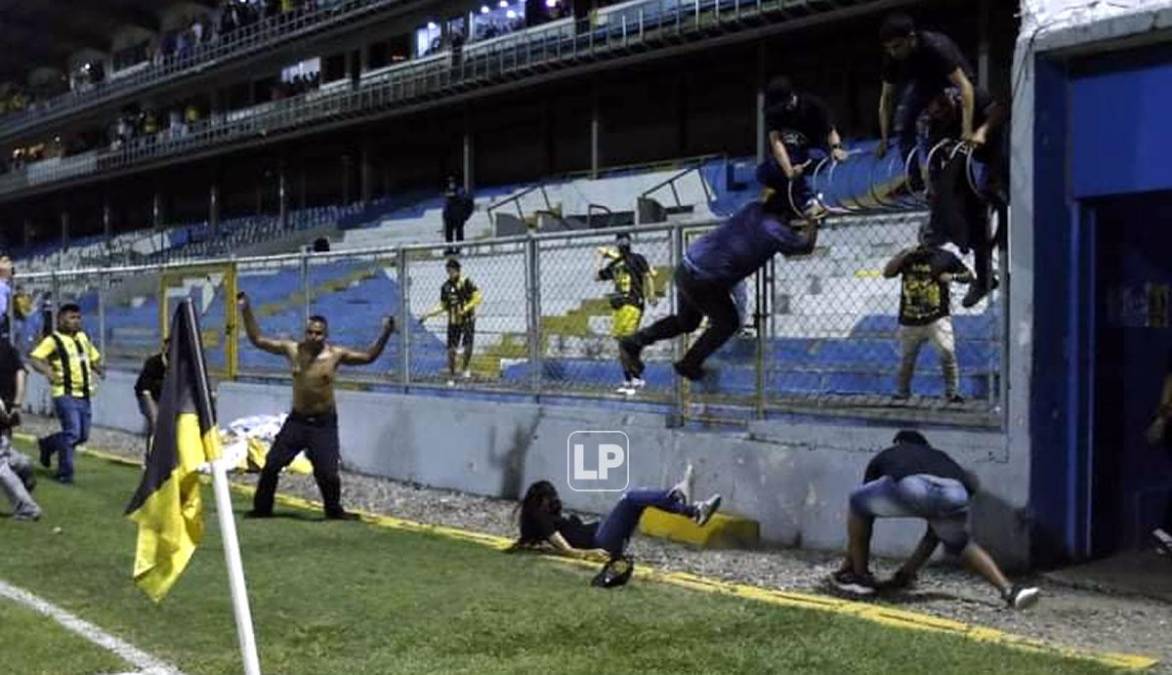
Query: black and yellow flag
[(167, 504)]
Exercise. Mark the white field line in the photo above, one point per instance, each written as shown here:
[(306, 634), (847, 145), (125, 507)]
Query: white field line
[(145, 663)]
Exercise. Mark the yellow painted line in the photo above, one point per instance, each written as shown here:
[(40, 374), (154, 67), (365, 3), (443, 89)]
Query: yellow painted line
[(875, 613)]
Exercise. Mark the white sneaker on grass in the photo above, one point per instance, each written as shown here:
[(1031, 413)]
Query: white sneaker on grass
[(706, 509)]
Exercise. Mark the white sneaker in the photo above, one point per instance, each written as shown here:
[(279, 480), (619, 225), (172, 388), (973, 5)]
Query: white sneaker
[(636, 383), (684, 487), (1021, 597), (706, 509), (467, 375), (451, 383)]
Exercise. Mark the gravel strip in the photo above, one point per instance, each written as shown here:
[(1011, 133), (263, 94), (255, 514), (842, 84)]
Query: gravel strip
[(1065, 616)]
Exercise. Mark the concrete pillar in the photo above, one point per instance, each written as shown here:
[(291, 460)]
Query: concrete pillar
[(547, 145), (215, 103), (107, 219), (28, 231), (353, 67), (983, 44), (282, 194), (759, 104), (303, 186), (346, 162), (595, 132), (469, 159), (64, 229), (214, 207), (680, 101), (157, 211), (365, 171)]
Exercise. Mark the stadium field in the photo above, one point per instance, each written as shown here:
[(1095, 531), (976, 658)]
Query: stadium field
[(333, 597)]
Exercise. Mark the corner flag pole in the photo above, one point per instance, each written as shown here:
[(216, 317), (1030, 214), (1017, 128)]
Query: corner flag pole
[(235, 569)]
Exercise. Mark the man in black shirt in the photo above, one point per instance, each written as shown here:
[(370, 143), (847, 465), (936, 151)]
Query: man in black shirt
[(925, 309), (912, 479), (918, 66), (797, 122), (458, 208), (16, 470), (147, 389), (459, 298)]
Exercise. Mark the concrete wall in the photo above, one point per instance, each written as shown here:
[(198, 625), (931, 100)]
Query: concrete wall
[(792, 478)]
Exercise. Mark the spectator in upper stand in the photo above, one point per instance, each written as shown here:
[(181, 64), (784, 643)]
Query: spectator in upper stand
[(925, 312), (912, 479), (458, 208), (919, 65), (797, 122)]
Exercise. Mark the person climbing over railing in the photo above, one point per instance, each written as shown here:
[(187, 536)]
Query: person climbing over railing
[(796, 122)]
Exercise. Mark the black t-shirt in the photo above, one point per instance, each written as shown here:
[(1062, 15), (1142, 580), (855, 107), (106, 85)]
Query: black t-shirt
[(540, 526), (454, 296), (935, 57), (903, 460), (628, 273), (924, 298), (808, 124), (10, 364), (150, 378)]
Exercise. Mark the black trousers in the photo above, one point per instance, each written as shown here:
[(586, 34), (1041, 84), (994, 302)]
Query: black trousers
[(453, 230), (696, 299), (318, 437)]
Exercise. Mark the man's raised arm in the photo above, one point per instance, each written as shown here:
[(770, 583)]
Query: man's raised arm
[(353, 357), (279, 347)]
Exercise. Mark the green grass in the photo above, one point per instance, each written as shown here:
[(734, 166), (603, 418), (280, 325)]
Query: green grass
[(35, 644), (352, 598)]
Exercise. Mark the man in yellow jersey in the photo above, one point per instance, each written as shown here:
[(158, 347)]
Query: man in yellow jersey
[(459, 298), (634, 283), (68, 359)]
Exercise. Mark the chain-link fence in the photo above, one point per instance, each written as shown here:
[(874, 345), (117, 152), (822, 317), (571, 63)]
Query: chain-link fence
[(543, 314)]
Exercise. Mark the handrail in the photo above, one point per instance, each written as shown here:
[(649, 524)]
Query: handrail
[(590, 209), (266, 32), (516, 199), (671, 182)]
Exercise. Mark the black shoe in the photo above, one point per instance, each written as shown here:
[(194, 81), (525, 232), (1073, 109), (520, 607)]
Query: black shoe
[(64, 480), (900, 581), (954, 398), (977, 293), (342, 515), (900, 397), (254, 514), (1021, 597), (629, 354), (46, 453), (855, 584), (1163, 540), (690, 372)]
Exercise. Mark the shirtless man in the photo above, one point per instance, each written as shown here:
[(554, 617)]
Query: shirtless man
[(313, 423)]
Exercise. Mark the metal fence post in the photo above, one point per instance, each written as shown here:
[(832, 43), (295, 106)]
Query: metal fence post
[(760, 313), (404, 317), (680, 344), (102, 284), (533, 302), (305, 291), (55, 285)]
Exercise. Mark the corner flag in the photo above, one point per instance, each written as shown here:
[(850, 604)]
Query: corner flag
[(167, 505)]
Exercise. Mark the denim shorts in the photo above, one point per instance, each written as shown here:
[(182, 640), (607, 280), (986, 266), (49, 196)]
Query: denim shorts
[(943, 502)]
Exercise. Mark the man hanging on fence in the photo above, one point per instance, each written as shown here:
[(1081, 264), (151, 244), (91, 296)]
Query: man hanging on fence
[(797, 122), (634, 281), (705, 279), (312, 425), (68, 359), (459, 298), (925, 309)]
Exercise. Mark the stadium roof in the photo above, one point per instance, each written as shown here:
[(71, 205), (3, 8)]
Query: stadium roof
[(37, 33)]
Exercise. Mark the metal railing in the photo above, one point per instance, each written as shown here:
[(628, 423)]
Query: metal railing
[(241, 41), (820, 332), (515, 200), (657, 23)]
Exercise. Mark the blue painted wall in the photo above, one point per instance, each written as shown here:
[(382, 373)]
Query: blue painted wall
[(1121, 136)]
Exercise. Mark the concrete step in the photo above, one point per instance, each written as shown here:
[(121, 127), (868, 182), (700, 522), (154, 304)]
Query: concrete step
[(722, 531)]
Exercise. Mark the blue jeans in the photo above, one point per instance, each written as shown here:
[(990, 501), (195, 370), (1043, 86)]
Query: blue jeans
[(618, 526), (943, 502), (74, 415)]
